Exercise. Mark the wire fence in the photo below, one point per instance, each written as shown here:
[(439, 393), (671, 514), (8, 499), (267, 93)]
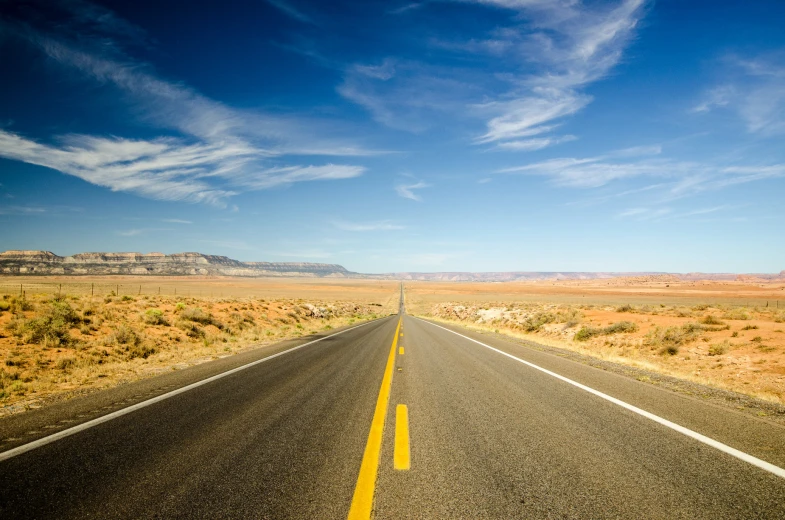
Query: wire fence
[(120, 289), (235, 289)]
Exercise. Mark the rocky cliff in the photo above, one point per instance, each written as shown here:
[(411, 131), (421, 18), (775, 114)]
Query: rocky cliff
[(178, 264)]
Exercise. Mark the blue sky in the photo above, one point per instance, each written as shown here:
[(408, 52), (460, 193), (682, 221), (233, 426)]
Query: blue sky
[(476, 135)]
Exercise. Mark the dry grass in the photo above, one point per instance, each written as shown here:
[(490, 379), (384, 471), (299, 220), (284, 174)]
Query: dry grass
[(51, 346)]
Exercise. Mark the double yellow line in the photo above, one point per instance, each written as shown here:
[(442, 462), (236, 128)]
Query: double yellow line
[(362, 501)]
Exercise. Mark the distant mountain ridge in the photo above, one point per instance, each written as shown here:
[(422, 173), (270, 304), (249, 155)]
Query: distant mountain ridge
[(185, 264), (178, 264)]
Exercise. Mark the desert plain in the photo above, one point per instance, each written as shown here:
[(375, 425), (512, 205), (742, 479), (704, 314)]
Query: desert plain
[(65, 336), (724, 334), (62, 337)]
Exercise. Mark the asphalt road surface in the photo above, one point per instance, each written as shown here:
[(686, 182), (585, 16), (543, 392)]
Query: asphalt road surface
[(488, 437)]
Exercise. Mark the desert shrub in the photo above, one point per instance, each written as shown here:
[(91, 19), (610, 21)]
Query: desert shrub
[(684, 313), (719, 348), (620, 327), (191, 329), (570, 317), (736, 314), (700, 307), (697, 328), (669, 339), (779, 317), (625, 308), (734, 335), (65, 363), (711, 320), (19, 305), (139, 351), (5, 306), (586, 333), (750, 327), (757, 339), (535, 321), (125, 335), (127, 298), (49, 328), (179, 307), (589, 332), (197, 315), (155, 317)]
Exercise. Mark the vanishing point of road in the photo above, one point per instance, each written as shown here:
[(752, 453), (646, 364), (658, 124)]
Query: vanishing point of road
[(396, 418)]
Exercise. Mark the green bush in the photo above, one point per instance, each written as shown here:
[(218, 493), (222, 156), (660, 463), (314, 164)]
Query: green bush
[(586, 333), (49, 328), (155, 317), (711, 320), (19, 305)]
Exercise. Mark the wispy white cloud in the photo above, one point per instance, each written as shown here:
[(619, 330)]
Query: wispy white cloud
[(667, 213), (407, 95), (165, 169), (38, 210), (562, 45), (573, 45), (678, 178), (644, 213), (221, 151), (528, 145), (384, 225), (176, 221), (22, 210), (290, 10), (405, 8), (407, 190), (754, 89), (139, 231)]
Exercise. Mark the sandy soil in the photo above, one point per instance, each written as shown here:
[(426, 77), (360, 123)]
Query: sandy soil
[(730, 335), (54, 345)]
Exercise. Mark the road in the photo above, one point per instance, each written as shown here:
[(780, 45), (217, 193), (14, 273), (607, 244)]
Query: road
[(488, 437)]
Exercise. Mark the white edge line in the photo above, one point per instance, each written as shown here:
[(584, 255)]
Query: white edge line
[(119, 413), (762, 464)]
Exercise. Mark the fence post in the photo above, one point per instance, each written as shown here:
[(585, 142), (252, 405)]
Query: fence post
[(140, 289), (92, 289)]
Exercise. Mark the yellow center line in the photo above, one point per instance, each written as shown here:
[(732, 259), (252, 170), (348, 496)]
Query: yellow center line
[(362, 501), (400, 351), (401, 455)]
